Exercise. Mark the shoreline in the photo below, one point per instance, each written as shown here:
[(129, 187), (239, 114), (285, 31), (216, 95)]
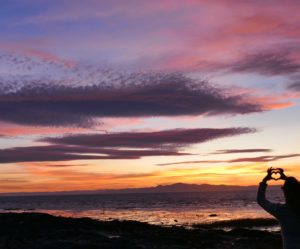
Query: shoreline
[(184, 218), (44, 231)]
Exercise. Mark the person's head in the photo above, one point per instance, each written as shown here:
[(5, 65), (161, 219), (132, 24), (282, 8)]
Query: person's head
[(291, 189)]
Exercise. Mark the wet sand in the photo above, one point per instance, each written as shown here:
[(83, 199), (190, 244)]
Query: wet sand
[(43, 231)]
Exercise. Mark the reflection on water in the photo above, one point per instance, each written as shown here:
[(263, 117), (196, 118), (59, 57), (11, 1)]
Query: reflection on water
[(163, 217), (163, 209)]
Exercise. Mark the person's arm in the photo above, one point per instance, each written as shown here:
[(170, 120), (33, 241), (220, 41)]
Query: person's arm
[(261, 196)]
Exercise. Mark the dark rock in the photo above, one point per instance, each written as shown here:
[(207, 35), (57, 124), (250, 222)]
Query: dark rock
[(43, 231)]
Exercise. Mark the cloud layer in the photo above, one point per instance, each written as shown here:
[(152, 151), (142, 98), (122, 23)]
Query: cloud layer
[(166, 138), (268, 63), (65, 153), (295, 86), (237, 151), (116, 146), (259, 159), (135, 95)]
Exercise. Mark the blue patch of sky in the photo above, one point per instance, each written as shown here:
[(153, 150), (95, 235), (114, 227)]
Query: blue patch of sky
[(272, 83), (16, 10)]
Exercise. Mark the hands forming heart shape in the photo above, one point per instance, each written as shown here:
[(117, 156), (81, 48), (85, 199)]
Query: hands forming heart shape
[(276, 174)]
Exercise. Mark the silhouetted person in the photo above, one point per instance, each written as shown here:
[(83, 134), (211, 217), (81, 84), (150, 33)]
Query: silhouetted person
[(287, 214)]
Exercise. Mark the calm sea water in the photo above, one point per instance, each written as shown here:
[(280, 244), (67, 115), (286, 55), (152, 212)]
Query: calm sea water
[(163, 208)]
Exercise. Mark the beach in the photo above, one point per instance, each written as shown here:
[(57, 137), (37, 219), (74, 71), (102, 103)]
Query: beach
[(44, 231)]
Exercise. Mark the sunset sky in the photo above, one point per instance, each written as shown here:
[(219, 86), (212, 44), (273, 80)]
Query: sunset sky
[(121, 94)]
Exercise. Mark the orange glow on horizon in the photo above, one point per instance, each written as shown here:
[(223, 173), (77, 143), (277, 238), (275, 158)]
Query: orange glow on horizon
[(46, 179)]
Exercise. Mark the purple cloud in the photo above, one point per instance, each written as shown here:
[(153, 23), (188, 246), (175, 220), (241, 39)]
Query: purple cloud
[(165, 139), (268, 63), (191, 162), (259, 159), (241, 151), (295, 86), (68, 153), (112, 146), (263, 158), (49, 103)]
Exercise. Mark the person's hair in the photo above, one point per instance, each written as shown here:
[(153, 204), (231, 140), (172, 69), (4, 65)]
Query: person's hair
[(291, 189)]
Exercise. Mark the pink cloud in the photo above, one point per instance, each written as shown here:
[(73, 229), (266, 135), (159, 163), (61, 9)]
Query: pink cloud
[(48, 57), (207, 42), (194, 40), (28, 49), (275, 101), (10, 130)]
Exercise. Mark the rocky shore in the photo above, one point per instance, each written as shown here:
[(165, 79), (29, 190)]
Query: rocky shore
[(43, 231)]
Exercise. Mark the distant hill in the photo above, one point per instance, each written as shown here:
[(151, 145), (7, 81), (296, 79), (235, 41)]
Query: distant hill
[(172, 188), (183, 187)]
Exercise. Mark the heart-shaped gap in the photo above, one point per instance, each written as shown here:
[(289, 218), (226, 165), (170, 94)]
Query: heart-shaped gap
[(276, 175)]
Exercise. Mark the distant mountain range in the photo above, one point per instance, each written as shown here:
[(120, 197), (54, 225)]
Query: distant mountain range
[(172, 188)]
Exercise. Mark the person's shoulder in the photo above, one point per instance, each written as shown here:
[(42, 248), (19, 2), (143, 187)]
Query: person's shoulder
[(282, 206), (282, 209), (285, 214)]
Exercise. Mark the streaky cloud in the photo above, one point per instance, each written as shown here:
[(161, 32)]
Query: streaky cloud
[(191, 162), (115, 146), (259, 159), (294, 86), (268, 63), (50, 103), (263, 158), (67, 153), (166, 138), (237, 151)]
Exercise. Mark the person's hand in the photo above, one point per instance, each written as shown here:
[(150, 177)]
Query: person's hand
[(282, 175), (269, 175)]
